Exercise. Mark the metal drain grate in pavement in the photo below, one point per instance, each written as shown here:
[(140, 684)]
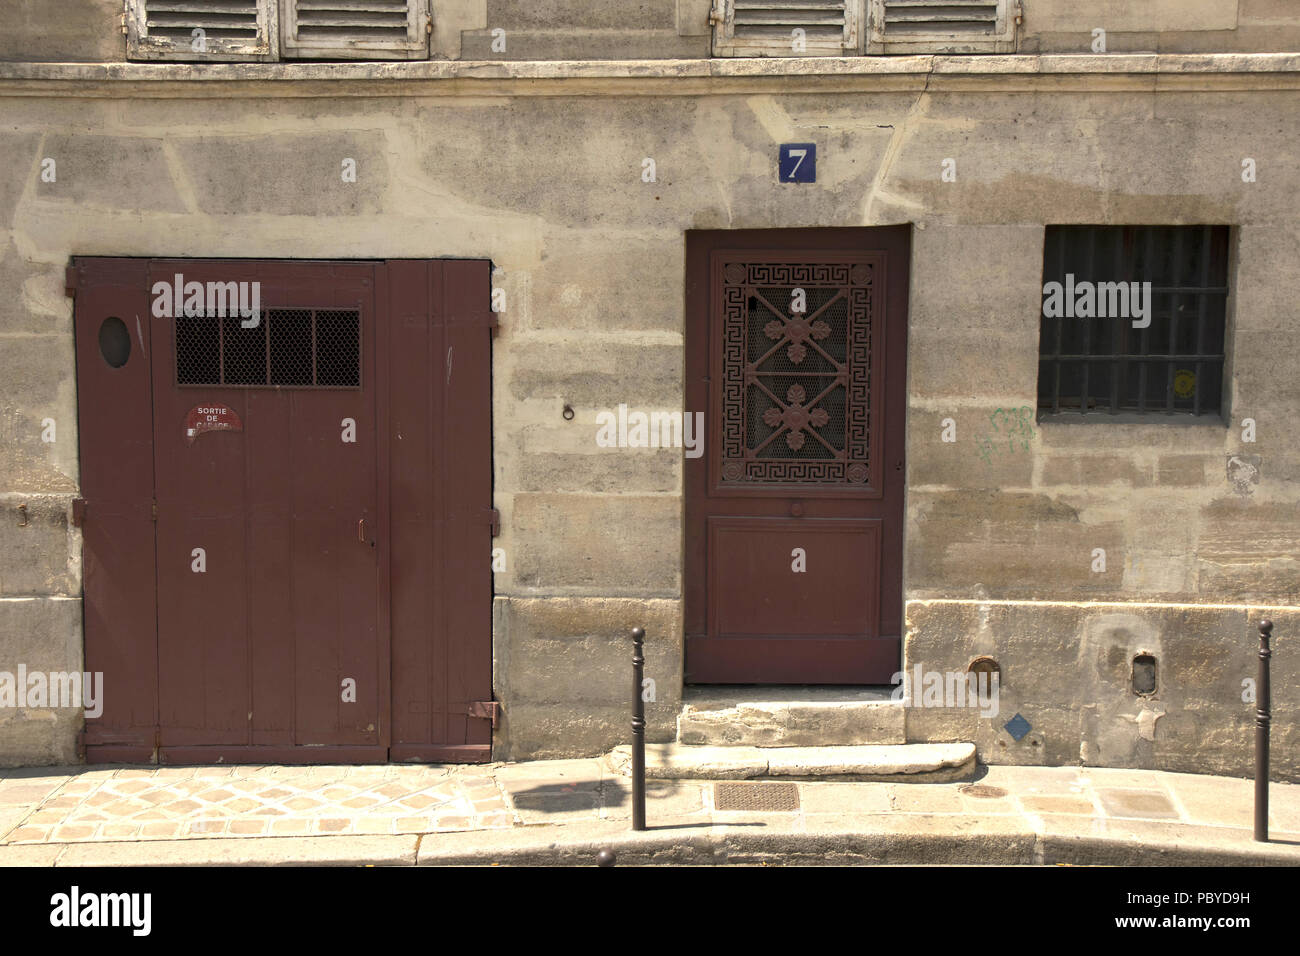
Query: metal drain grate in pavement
[(756, 796)]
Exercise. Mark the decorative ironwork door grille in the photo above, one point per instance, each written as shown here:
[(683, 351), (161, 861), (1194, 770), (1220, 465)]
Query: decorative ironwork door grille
[(796, 376)]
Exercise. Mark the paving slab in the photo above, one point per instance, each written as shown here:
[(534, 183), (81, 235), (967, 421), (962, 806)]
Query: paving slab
[(1145, 804), (264, 851), (1058, 803), (818, 798), (565, 811), (664, 799)]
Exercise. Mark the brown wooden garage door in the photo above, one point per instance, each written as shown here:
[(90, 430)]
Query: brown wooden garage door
[(287, 513)]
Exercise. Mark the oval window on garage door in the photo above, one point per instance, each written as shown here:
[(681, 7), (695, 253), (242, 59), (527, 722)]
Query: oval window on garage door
[(114, 341)]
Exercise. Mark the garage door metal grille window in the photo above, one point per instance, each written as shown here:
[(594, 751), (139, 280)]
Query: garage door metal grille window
[(1098, 359), (796, 372), (288, 348)]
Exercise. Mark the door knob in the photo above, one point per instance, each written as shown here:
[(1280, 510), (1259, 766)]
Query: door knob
[(362, 536)]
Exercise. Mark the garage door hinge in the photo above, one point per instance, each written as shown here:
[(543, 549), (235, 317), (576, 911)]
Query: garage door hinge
[(490, 320), (494, 521), (153, 511), (70, 282), (486, 710)]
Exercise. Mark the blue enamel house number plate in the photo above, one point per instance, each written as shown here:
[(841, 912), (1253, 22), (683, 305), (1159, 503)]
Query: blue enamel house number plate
[(797, 163)]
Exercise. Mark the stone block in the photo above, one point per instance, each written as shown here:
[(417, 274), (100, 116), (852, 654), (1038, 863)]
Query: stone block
[(605, 544)]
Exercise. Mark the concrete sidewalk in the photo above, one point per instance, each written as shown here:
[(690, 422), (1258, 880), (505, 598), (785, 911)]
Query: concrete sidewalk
[(565, 811)]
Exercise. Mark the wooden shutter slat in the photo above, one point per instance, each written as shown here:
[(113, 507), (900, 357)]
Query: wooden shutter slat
[(379, 29)]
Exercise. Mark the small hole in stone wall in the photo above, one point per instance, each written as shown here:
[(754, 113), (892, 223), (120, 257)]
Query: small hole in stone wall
[(1144, 674), (568, 413), (985, 665)]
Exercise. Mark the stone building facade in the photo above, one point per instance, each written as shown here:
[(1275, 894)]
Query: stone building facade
[(578, 146)]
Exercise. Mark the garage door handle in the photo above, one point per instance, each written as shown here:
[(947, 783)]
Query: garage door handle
[(361, 533)]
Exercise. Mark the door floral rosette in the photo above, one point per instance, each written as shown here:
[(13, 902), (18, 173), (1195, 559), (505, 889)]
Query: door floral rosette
[(796, 374)]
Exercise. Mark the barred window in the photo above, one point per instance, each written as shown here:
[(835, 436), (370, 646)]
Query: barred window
[(1133, 322)]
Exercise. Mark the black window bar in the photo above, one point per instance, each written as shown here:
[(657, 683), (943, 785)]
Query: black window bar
[(1173, 366)]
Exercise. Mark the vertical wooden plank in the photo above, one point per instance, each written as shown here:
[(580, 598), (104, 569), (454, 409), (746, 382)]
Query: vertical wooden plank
[(439, 392), (411, 528), (115, 430), (203, 616), (466, 385)]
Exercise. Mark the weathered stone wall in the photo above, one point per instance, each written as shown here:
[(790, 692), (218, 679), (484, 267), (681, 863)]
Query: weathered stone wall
[(62, 30), (89, 30), (547, 184)]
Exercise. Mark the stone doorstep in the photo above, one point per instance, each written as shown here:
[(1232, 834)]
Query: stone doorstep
[(802, 717), (902, 763)]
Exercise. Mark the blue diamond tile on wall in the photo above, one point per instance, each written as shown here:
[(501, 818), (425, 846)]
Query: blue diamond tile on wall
[(1017, 727)]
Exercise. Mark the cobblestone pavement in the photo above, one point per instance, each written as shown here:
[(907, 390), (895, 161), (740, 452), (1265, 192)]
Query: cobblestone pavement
[(48, 808), (170, 803)]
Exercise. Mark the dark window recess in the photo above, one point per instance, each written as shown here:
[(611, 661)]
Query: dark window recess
[(1103, 365), (289, 348)]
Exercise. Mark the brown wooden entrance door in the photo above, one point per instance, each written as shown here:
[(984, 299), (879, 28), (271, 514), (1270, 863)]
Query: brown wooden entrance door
[(796, 352), (287, 521)]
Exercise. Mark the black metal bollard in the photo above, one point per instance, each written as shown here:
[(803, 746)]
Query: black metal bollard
[(1263, 714), (638, 730)]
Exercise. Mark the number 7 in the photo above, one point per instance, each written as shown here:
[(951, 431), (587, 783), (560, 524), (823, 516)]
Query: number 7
[(801, 153)]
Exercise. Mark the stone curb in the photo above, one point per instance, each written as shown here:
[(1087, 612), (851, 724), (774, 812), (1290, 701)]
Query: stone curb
[(914, 839), (345, 850)]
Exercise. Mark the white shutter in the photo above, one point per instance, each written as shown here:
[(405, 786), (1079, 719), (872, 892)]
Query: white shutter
[(356, 29), (788, 28), (210, 30), (943, 26)]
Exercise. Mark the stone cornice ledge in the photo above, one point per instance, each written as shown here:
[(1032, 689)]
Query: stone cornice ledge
[(552, 77)]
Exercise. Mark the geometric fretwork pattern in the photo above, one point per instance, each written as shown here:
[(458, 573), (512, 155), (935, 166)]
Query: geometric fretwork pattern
[(796, 375)]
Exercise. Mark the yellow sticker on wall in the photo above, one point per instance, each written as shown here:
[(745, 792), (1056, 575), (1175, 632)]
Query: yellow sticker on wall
[(1184, 383)]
